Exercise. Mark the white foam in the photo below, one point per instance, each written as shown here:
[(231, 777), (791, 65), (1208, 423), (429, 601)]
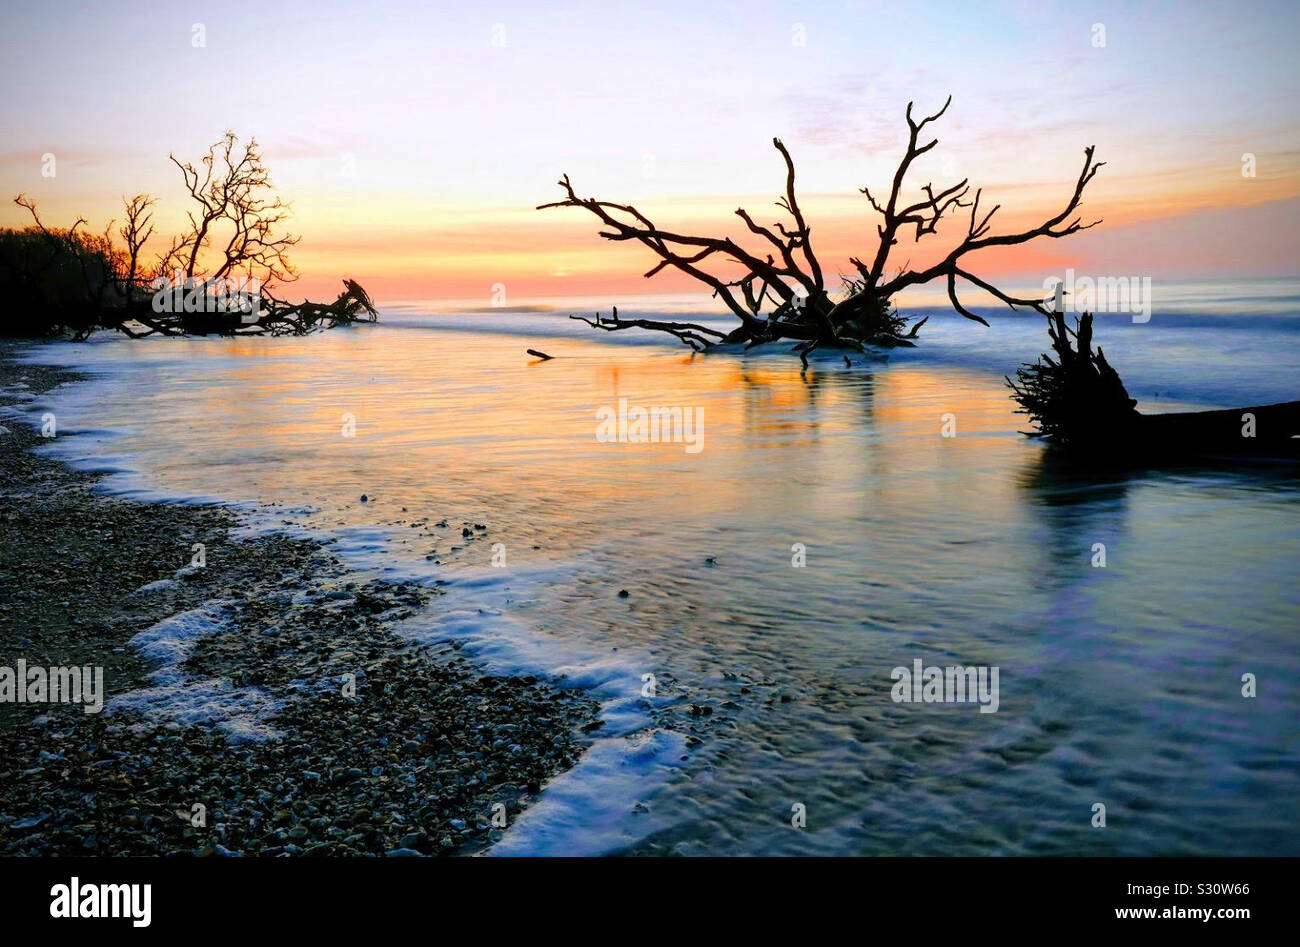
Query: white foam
[(176, 698), (592, 808), (605, 803), (157, 586)]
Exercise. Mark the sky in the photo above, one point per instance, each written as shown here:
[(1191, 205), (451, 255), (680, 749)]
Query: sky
[(414, 140)]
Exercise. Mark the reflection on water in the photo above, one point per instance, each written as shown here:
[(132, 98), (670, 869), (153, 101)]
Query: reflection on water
[(1119, 685)]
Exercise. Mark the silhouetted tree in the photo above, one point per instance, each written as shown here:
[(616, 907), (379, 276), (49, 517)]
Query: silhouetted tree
[(238, 211), (781, 292), (219, 276), (1076, 398), (1076, 401)]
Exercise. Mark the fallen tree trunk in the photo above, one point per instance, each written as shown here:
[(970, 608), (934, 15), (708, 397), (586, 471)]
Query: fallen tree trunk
[(265, 315), (1264, 432), (1077, 402)]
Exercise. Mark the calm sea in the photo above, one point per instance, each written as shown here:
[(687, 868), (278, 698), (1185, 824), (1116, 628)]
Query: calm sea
[(825, 533)]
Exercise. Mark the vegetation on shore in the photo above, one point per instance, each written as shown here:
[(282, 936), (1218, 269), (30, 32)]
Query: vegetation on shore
[(222, 275)]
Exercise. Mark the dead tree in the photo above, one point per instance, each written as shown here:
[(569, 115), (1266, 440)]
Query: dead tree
[(222, 275), (1075, 399), (239, 211), (1077, 402), (781, 291), (135, 233)]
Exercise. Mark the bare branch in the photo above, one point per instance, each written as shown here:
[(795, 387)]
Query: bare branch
[(790, 279)]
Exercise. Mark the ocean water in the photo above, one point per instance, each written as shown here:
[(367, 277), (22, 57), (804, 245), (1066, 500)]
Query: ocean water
[(1119, 685)]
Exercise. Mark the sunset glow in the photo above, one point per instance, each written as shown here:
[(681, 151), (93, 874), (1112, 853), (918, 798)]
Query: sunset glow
[(414, 161), (656, 433)]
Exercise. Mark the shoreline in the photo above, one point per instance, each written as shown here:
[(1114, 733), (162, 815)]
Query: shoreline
[(270, 709)]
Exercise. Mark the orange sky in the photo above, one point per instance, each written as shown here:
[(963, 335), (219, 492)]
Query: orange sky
[(414, 159)]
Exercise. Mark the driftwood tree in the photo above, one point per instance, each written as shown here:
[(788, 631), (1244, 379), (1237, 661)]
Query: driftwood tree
[(238, 211), (221, 275), (1074, 399), (135, 233), (781, 291), (1077, 402)]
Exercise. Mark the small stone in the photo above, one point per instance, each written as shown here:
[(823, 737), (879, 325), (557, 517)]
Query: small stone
[(416, 841)]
